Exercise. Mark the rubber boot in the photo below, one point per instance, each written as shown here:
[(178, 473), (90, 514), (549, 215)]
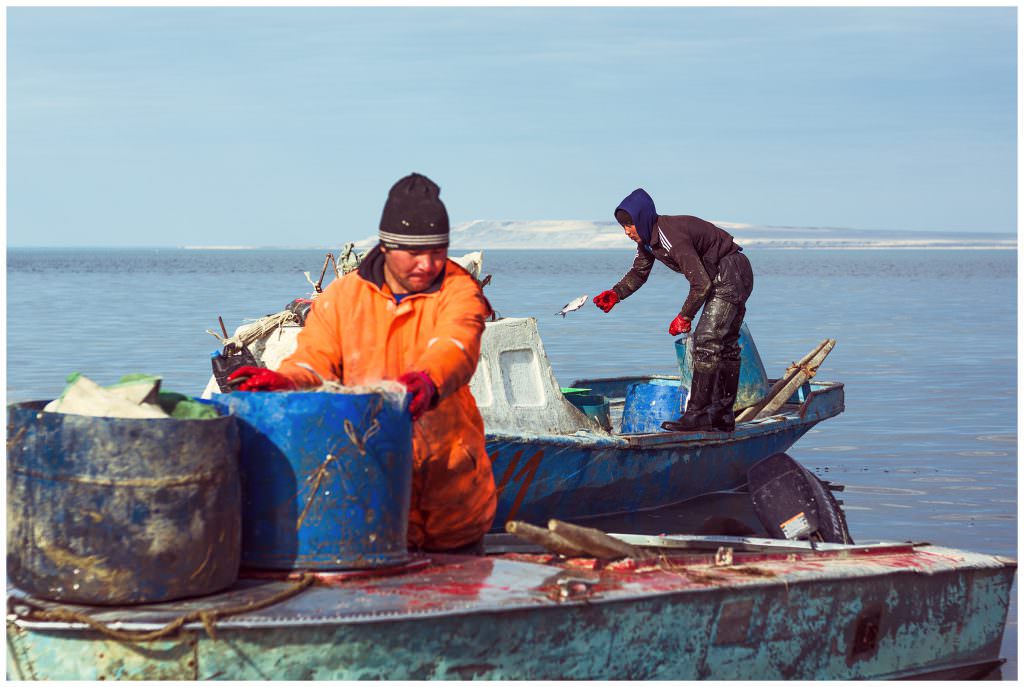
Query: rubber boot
[(723, 419), (697, 417)]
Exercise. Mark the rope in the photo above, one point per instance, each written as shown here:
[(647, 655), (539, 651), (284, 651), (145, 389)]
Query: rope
[(321, 471), (255, 330), (208, 617), (348, 261), (808, 370), (360, 446)]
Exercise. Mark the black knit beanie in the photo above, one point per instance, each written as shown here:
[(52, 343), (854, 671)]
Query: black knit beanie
[(623, 217), (414, 217)]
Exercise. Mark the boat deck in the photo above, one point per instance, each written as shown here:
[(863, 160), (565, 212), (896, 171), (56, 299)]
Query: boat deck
[(698, 608), (438, 584)]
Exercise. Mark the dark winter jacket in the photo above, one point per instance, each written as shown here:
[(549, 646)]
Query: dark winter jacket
[(684, 244)]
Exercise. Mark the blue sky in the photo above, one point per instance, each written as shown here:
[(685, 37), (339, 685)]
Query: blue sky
[(278, 126)]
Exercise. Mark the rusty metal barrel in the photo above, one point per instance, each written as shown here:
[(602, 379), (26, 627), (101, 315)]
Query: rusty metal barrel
[(121, 511)]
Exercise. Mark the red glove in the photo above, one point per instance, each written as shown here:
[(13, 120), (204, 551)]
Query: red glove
[(251, 378), (680, 325), (423, 392), (606, 300)]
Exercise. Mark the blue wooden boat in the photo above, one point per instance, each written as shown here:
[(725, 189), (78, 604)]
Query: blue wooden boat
[(586, 476), (551, 461), (720, 608)]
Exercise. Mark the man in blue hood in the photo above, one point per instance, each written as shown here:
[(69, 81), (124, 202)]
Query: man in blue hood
[(721, 280)]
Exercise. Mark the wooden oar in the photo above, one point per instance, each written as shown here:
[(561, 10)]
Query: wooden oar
[(751, 412), (803, 373)]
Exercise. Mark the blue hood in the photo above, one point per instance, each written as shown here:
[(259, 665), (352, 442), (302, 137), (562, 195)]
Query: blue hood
[(640, 207)]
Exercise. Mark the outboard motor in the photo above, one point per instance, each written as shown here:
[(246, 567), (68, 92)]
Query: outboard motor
[(792, 503)]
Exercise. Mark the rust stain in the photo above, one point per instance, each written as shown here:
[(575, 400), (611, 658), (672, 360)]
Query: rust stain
[(749, 570), (92, 566), (734, 622), (864, 639)]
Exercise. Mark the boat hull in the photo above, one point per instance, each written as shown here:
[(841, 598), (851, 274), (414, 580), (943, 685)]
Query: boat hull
[(908, 612), (579, 478)]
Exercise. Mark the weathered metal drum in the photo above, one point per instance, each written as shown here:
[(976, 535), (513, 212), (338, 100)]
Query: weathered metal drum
[(753, 379), (121, 511), (326, 478), (648, 404)]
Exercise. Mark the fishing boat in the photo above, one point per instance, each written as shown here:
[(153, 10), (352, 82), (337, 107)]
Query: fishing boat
[(551, 460), (719, 608)]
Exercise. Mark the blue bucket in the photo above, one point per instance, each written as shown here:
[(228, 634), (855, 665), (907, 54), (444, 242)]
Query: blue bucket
[(121, 511), (594, 406), (753, 379), (648, 404), (326, 479)]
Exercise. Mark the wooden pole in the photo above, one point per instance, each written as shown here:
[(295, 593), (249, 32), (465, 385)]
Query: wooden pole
[(594, 542), (787, 377), (803, 373), (751, 412), (542, 537)]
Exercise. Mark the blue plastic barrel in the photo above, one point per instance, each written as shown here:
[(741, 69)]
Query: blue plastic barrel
[(326, 479), (121, 511), (753, 379), (648, 404)]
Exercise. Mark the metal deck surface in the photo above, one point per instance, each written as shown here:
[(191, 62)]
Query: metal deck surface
[(454, 585)]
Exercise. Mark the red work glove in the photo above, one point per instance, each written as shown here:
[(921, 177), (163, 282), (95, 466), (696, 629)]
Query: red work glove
[(606, 300), (423, 391), (680, 325), (251, 378)]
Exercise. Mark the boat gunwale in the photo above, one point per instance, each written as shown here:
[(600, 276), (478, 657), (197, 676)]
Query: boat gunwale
[(788, 417)]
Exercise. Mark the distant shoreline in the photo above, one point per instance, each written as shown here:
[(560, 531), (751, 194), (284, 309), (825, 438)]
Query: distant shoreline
[(592, 235)]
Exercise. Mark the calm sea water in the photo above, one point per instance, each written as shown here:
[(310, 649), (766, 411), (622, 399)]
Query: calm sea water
[(927, 349)]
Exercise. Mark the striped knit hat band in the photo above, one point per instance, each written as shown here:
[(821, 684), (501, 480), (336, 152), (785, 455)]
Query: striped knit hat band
[(414, 217)]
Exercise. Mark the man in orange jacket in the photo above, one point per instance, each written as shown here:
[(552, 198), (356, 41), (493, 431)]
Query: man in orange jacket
[(411, 314)]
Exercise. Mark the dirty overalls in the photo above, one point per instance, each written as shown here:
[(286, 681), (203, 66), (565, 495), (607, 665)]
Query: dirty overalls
[(717, 334)]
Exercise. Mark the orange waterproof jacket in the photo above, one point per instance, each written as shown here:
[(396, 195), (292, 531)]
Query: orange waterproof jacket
[(355, 333)]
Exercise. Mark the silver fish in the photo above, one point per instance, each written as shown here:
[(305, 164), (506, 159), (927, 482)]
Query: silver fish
[(574, 304)]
